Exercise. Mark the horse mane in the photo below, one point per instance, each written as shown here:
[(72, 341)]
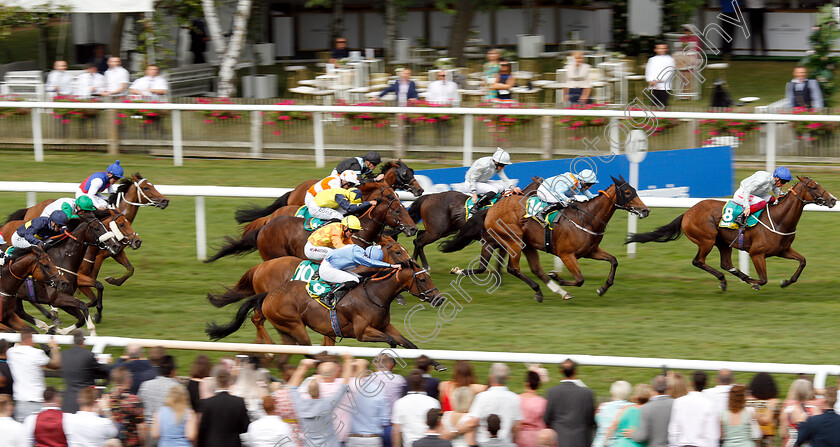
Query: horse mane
[(102, 214), (387, 166)]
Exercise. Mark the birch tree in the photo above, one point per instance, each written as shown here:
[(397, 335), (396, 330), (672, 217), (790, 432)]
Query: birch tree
[(227, 52)]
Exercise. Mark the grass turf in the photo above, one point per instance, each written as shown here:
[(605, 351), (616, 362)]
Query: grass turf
[(660, 305)]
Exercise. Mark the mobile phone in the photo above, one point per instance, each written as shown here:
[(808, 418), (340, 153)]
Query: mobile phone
[(98, 391)]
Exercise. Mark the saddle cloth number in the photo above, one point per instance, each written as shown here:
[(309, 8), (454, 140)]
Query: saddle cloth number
[(306, 272), (732, 210)]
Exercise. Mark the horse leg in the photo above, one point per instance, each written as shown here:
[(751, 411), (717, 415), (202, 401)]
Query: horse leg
[(76, 308), (122, 258), (424, 238), (726, 264), (533, 257), (601, 255), (259, 323), (513, 269), (793, 254), (21, 312), (571, 263), (370, 334), (760, 262), (699, 261), (406, 343), (87, 282), (484, 261)]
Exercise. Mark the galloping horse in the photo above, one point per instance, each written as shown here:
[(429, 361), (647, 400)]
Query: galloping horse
[(577, 234), (285, 235), (36, 263), (773, 237), (397, 175), (363, 314)]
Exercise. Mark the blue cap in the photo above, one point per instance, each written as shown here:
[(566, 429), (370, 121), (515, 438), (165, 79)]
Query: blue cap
[(59, 217), (115, 169), (374, 252), (783, 173)]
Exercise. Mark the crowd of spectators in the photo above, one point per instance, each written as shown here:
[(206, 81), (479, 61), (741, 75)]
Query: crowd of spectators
[(114, 82), (347, 402)]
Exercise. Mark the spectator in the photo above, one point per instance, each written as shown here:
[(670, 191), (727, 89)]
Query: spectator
[(656, 414), (431, 383), (822, 430), (491, 69), (720, 393), (394, 389), (690, 41), (283, 406), (795, 410), (223, 417), (755, 12), (86, 427), (12, 430), (456, 423), (79, 369), (199, 373), (152, 86), (328, 385), (309, 411), (532, 406), (116, 78), (762, 397), (571, 409), (153, 392), (659, 73), (693, 418), (339, 51), (26, 363), (88, 84), (736, 419), (578, 80), (251, 386), (494, 423), (802, 91), (408, 417), (404, 88), (629, 419), (175, 422), (433, 436), (607, 412), (442, 91), (156, 354), (504, 82), (462, 376), (366, 424), (6, 380), (676, 386), (498, 400), (728, 18), (49, 426), (198, 40), (546, 438), (141, 369), (59, 82), (269, 430), (126, 409)]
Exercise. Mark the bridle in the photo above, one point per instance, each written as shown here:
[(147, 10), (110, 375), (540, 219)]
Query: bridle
[(140, 196), (424, 295), (620, 201), (41, 256), (119, 235), (818, 199), (382, 224)]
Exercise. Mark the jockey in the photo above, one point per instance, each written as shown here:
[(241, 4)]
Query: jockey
[(335, 268), (70, 206), (335, 203), (757, 190), (559, 190), (483, 170), (99, 182), (362, 166), (39, 229), (331, 237), (344, 180)]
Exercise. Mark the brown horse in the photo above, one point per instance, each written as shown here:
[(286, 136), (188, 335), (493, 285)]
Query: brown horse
[(772, 237), (285, 235), (577, 233), (34, 262), (363, 314), (397, 175), (262, 278)]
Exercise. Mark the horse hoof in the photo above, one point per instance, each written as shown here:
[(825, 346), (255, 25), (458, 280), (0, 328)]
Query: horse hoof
[(113, 281), (601, 291), (51, 330), (456, 271), (568, 296), (553, 275), (755, 287), (440, 368), (785, 283), (97, 318), (538, 297), (722, 286), (400, 300)]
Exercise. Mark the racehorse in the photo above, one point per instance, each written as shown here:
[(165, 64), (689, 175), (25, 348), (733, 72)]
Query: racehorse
[(34, 262), (577, 233), (397, 175), (772, 237), (442, 213), (363, 313), (285, 235), (261, 278)]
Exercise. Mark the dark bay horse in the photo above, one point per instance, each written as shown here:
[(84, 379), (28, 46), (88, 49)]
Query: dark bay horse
[(577, 234), (773, 235), (397, 175), (363, 314), (36, 263)]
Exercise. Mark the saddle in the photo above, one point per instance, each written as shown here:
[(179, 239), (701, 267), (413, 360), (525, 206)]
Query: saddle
[(468, 205), (534, 206), (311, 223), (731, 210), (316, 287)]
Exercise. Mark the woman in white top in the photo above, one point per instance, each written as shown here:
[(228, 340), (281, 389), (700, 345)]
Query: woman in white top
[(454, 421)]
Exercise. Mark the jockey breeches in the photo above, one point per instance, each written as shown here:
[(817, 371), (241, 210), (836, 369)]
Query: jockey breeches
[(19, 241), (316, 252), (98, 201), (324, 213), (307, 200), (756, 203), (331, 274)]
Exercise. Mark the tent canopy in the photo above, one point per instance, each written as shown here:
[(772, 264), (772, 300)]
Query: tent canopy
[(84, 6)]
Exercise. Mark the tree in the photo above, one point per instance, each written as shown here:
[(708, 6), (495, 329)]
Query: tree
[(532, 16), (463, 12), (228, 54)]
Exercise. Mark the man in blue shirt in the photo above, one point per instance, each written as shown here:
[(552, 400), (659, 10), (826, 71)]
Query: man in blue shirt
[(315, 415), (822, 430), (803, 92), (371, 412)]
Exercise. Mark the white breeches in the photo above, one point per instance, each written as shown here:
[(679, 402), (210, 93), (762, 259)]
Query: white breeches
[(480, 187), (752, 201), (98, 200), (56, 206), (316, 252), (331, 274), (307, 200), (324, 213), (19, 241)]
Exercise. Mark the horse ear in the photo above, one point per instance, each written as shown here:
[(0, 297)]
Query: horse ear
[(621, 177), (615, 180), (800, 178)]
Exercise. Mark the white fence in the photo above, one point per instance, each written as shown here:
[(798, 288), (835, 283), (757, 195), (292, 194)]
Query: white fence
[(99, 344)]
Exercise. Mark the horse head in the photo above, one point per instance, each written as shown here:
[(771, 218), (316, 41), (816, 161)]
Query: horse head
[(98, 234), (122, 230), (419, 283), (628, 199), (46, 270), (814, 193), (387, 203), (138, 191), (403, 177)]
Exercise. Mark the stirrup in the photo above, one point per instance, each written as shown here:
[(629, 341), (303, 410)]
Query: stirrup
[(740, 220)]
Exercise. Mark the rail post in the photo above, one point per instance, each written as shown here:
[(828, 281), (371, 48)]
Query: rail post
[(256, 134), (200, 229), (37, 134), (468, 139), (318, 126), (177, 139)]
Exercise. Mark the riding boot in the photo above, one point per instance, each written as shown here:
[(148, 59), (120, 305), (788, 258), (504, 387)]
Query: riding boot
[(483, 200), (542, 215), (741, 220), (331, 299)]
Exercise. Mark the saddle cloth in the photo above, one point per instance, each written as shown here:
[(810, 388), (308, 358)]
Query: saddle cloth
[(469, 204), (307, 271), (731, 210), (311, 223), (534, 206)]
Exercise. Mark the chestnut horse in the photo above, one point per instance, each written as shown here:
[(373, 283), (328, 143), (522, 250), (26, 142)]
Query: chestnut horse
[(363, 314), (577, 233), (772, 237), (397, 175), (34, 262)]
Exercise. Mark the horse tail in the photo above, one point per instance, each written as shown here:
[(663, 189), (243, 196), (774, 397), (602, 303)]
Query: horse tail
[(414, 209), (469, 233), (217, 332), (665, 233), (244, 215), (256, 224), (244, 245), (243, 289), (17, 215)]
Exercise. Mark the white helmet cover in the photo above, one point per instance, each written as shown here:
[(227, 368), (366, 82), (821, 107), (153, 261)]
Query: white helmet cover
[(587, 176), (349, 177), (501, 157)]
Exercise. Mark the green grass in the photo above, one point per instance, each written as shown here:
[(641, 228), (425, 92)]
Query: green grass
[(660, 305)]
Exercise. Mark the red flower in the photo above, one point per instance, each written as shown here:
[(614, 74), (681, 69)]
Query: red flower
[(355, 128)]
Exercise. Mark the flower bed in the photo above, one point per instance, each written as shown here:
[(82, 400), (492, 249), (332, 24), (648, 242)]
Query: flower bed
[(284, 118), (66, 115), (145, 116), (812, 130), (218, 116), (718, 128), (362, 118), (502, 122), (431, 118), (6, 112)]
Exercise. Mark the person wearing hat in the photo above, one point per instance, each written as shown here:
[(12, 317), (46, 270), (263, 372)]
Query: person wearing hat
[(479, 174), (98, 182), (347, 179), (336, 268), (759, 189), (39, 230), (559, 190), (71, 207), (335, 203), (362, 166), (331, 237)]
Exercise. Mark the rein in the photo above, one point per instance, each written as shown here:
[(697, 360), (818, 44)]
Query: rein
[(140, 194)]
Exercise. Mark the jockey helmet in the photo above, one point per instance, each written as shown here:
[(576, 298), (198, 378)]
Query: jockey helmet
[(352, 223), (374, 252), (782, 173), (115, 169), (501, 157), (373, 157), (84, 203), (349, 177), (587, 177), (59, 218)]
